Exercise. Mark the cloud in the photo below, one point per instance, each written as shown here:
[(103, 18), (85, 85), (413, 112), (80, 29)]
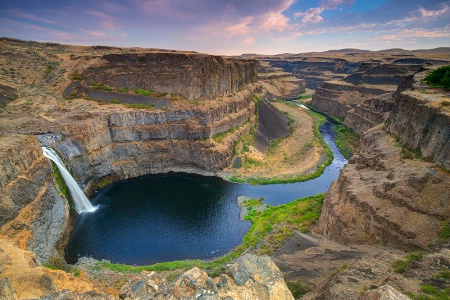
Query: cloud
[(313, 16), (96, 33), (105, 21), (434, 13), (28, 16)]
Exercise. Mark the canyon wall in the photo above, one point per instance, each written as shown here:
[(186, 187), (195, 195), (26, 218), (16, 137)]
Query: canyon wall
[(370, 80), (33, 213), (192, 75), (127, 144), (418, 124), (388, 194)]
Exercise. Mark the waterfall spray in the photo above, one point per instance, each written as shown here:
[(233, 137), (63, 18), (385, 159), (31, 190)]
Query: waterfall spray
[(82, 203)]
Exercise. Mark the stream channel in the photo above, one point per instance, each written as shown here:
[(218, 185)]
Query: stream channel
[(176, 216)]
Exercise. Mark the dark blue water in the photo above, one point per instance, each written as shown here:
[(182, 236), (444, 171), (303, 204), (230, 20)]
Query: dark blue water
[(178, 216)]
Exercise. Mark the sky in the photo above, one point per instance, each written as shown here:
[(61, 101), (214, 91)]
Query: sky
[(232, 27)]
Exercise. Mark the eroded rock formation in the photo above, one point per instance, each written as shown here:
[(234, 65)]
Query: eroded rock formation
[(384, 195), (33, 213)]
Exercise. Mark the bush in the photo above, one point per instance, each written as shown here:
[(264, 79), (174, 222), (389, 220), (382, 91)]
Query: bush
[(439, 77), (401, 265), (297, 288)]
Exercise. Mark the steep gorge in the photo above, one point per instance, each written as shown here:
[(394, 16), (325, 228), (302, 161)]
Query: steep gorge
[(386, 194)]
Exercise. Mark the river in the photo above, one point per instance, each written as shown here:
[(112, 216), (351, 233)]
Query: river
[(177, 216)]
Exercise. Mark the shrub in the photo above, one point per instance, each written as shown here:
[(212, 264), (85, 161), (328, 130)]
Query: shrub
[(439, 77), (143, 92), (123, 90), (401, 265)]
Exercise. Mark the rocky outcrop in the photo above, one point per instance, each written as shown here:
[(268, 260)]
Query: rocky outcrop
[(384, 292), (33, 213), (420, 125), (336, 98), (381, 198), (277, 84), (194, 76), (251, 277), (369, 114), (376, 274)]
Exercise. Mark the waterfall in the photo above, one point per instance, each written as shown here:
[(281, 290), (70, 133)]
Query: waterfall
[(82, 203)]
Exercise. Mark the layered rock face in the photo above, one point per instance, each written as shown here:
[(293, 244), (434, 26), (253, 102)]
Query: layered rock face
[(419, 125), (194, 76), (132, 143), (370, 80), (383, 197), (32, 212), (380, 198), (338, 97), (369, 114), (314, 70)]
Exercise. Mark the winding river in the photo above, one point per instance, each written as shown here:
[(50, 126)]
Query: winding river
[(177, 216)]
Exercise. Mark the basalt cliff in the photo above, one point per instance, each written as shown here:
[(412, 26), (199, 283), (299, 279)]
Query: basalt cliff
[(116, 113)]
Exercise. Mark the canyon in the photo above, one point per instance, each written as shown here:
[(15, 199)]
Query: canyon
[(117, 113)]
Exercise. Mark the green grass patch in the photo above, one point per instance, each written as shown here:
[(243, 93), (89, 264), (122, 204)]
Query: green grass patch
[(445, 231), (100, 86), (297, 288), (270, 228), (74, 76), (346, 139), (304, 96), (143, 92), (123, 90), (141, 106), (431, 293), (401, 265), (55, 263)]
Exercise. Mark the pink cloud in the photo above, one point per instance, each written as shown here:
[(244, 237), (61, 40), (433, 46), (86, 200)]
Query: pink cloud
[(434, 13), (31, 17), (95, 33), (105, 21), (53, 32)]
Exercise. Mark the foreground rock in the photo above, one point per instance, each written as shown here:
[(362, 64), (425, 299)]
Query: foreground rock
[(251, 277)]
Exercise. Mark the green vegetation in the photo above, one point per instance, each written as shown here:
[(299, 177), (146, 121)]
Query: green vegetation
[(444, 274), (439, 77), (318, 120), (63, 187), (346, 139), (304, 96), (270, 228), (256, 98), (431, 293), (115, 101), (160, 94), (48, 70), (100, 86), (76, 76), (297, 288), (143, 92), (55, 263), (408, 153), (74, 95), (401, 265), (445, 232), (122, 90), (149, 106)]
